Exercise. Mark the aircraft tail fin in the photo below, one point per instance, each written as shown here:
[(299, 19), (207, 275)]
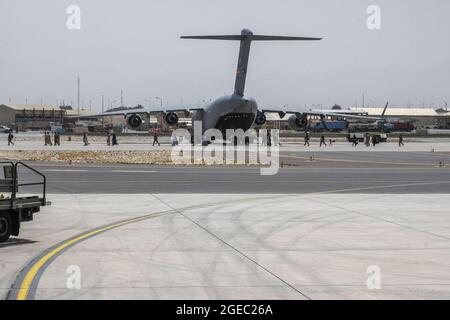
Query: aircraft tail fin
[(384, 110), (253, 38), (282, 38), (246, 37), (226, 37)]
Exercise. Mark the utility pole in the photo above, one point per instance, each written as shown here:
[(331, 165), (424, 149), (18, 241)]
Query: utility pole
[(160, 99), (103, 110), (121, 98), (78, 95)]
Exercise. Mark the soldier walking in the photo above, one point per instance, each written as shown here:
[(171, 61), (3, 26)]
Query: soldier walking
[(10, 138), (155, 138), (400, 141), (307, 137)]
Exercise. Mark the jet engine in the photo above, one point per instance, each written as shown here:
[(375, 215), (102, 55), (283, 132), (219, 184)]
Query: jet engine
[(298, 122), (171, 118), (260, 118), (134, 121)]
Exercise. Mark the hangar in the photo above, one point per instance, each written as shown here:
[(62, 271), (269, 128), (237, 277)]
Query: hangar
[(38, 117), (426, 118), (30, 116)]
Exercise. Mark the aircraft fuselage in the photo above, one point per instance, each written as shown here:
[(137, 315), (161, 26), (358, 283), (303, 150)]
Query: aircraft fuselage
[(228, 112)]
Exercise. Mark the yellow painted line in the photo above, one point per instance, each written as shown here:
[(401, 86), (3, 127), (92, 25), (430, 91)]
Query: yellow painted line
[(381, 187), (31, 274), (356, 161), (440, 154), (25, 286), (134, 171)]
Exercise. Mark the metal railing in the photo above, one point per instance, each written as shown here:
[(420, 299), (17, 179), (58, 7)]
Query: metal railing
[(15, 183)]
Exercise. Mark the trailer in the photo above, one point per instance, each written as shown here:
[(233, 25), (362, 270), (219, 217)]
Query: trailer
[(406, 126), (15, 209), (331, 126)]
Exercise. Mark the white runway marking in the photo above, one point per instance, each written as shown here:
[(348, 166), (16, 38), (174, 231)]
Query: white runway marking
[(65, 170)]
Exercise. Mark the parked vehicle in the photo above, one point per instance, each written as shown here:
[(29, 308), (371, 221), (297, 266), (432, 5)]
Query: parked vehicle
[(360, 137), (403, 126), (13, 209), (332, 126), (381, 137), (370, 127), (4, 129)]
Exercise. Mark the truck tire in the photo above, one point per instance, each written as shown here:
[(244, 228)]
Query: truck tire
[(5, 226)]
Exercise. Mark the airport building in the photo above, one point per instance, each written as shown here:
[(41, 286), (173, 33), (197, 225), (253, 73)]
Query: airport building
[(424, 118), (30, 116), (40, 117)]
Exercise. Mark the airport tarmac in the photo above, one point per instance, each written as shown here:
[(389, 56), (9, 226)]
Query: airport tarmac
[(127, 143), (230, 246), (34, 141), (317, 176), (151, 232)]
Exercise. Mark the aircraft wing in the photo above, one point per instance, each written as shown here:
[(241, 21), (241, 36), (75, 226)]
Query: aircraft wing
[(187, 109), (282, 113), (341, 115)]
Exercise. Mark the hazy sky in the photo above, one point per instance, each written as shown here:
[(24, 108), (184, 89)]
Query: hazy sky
[(135, 45)]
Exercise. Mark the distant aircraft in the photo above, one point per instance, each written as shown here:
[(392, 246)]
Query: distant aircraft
[(380, 124), (233, 111)]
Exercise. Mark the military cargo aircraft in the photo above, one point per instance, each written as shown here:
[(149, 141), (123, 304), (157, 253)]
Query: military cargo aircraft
[(235, 111)]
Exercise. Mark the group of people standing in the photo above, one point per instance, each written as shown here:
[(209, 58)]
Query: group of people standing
[(111, 139), (368, 140), (48, 138), (322, 140)]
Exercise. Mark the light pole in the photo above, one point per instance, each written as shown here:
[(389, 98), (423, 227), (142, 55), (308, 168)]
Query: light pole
[(161, 100), (103, 110), (78, 95)]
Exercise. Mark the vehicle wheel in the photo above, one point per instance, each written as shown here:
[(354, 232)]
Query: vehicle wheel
[(5, 226)]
